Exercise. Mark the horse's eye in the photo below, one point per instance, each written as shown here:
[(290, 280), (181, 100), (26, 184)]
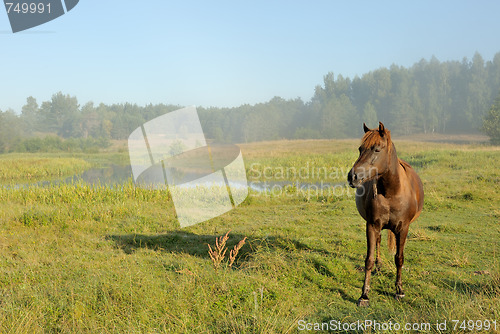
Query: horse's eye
[(377, 150)]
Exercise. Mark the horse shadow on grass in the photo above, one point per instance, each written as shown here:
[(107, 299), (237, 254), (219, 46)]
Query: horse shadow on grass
[(197, 245), (489, 285), (192, 244)]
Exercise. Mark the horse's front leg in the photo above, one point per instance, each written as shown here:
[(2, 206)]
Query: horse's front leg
[(372, 234), (377, 259), (399, 260)]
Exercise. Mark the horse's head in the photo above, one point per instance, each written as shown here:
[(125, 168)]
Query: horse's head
[(374, 155)]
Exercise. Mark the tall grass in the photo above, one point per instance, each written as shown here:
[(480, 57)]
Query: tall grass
[(80, 258), (17, 167)]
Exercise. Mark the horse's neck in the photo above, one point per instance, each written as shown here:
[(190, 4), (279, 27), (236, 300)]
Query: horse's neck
[(390, 179)]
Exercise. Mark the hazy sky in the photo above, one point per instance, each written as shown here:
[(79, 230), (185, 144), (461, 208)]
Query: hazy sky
[(228, 53)]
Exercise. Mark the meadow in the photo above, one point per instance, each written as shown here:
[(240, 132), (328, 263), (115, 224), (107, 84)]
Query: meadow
[(76, 258)]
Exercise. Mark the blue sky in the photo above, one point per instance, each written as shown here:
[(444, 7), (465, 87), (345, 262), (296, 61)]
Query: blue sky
[(228, 53)]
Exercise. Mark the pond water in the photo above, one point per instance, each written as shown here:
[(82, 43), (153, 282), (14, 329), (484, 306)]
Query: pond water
[(110, 175), (120, 174)]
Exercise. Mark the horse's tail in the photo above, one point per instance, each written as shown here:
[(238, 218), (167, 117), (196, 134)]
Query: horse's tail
[(391, 241)]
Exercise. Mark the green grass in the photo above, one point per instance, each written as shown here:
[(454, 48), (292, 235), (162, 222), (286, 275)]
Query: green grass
[(74, 258), (37, 167)]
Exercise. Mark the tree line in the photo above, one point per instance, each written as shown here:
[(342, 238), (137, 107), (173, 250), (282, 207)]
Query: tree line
[(429, 97)]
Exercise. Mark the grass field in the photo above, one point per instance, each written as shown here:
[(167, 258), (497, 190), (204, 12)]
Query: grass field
[(31, 168), (75, 258)]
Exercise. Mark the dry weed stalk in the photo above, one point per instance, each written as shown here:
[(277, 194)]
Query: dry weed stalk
[(235, 250), (218, 253)]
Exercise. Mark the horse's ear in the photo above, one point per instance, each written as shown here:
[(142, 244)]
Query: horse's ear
[(381, 129), (365, 128)]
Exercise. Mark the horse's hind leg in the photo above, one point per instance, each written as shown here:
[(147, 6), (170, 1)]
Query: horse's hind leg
[(399, 260), (371, 236)]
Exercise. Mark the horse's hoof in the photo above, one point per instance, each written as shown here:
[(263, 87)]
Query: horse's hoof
[(399, 296), (363, 302)]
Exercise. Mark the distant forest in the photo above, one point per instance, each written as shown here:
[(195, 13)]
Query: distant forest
[(431, 96)]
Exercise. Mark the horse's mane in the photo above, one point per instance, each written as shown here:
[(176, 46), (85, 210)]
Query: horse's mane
[(373, 138)]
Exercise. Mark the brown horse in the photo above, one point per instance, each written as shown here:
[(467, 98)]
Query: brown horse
[(389, 195)]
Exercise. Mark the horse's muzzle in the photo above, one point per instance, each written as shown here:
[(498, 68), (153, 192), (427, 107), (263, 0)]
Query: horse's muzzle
[(361, 175), (352, 179)]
